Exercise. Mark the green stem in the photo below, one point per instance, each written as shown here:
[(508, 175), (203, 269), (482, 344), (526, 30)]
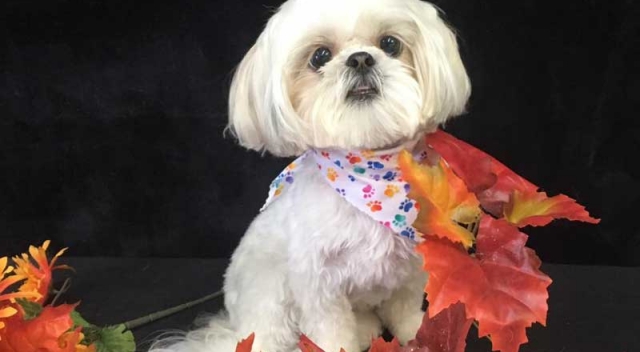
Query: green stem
[(132, 324)]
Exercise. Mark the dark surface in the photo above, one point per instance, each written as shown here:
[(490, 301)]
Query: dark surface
[(112, 112), (592, 308)]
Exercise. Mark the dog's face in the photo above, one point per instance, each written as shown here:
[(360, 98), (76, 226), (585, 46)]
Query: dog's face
[(348, 74)]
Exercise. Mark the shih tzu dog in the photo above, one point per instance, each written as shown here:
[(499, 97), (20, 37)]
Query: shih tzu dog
[(346, 84)]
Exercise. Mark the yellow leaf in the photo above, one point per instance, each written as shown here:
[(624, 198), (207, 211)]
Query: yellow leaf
[(443, 198)]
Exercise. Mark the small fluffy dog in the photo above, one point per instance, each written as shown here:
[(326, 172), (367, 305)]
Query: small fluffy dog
[(347, 75)]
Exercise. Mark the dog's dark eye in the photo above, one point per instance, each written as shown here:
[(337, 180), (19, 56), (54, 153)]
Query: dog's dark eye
[(320, 57), (391, 45)]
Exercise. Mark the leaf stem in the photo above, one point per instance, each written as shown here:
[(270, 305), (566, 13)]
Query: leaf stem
[(135, 323)]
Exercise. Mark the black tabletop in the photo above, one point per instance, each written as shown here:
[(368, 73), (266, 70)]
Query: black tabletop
[(592, 308)]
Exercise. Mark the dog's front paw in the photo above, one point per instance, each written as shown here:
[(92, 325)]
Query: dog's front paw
[(369, 327), (405, 329)]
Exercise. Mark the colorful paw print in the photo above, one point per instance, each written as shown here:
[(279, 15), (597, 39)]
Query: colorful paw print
[(385, 223), (375, 165), (399, 220), (408, 232), (374, 206), (367, 154), (278, 190), (368, 191), (338, 164), (288, 177), (407, 187), (332, 175), (341, 191), (325, 154), (390, 175), (353, 159), (359, 170), (351, 178), (406, 205), (291, 166), (376, 177), (386, 157), (391, 191)]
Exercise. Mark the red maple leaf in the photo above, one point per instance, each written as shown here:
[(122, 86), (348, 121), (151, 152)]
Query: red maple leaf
[(501, 191), (246, 344), (502, 287), (445, 332)]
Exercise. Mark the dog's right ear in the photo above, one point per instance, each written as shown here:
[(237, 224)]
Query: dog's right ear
[(260, 114), (245, 97)]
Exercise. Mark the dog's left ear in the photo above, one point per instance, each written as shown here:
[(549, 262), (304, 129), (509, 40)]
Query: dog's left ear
[(441, 74)]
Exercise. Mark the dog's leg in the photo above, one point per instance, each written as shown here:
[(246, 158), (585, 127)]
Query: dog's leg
[(330, 324), (369, 327), (402, 313)]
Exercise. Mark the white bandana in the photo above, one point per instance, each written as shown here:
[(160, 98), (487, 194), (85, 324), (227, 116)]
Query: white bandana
[(369, 180)]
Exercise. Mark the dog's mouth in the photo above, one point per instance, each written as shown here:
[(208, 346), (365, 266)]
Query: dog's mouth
[(362, 92)]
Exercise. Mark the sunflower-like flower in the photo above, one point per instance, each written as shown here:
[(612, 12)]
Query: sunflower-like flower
[(6, 299), (37, 270)]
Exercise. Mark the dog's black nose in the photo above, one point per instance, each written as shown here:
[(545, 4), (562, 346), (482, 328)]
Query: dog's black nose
[(361, 60)]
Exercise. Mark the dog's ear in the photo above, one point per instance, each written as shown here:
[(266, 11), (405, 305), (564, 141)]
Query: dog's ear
[(260, 113), (440, 72)]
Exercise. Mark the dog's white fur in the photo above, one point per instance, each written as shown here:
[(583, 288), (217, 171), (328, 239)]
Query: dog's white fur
[(312, 263)]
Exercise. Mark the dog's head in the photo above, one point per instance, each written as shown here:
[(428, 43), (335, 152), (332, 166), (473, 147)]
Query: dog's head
[(347, 74)]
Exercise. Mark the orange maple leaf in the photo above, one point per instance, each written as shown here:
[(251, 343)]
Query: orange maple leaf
[(37, 270), (502, 287), (246, 344), (501, 191), (380, 345), (443, 198), (50, 331)]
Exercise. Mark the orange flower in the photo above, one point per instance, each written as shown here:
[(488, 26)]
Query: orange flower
[(48, 332), (443, 198), (38, 277), (6, 310)]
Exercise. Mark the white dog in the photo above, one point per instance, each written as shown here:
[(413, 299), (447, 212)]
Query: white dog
[(344, 76)]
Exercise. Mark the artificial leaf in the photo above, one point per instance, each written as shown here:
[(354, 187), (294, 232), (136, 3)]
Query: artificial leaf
[(30, 310), (502, 287), (306, 345), (36, 270), (501, 191), (443, 198), (7, 308), (246, 344), (445, 332), (50, 331), (380, 345), (78, 320), (536, 209), (115, 339)]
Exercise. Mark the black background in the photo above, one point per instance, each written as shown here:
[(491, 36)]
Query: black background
[(112, 113)]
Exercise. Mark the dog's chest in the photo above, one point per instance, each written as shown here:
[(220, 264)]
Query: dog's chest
[(353, 251)]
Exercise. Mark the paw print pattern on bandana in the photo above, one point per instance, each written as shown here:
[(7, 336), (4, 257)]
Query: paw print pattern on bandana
[(391, 191), (408, 232), (374, 206), (353, 159), (390, 175), (399, 220), (332, 175), (406, 205), (368, 191), (368, 180)]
